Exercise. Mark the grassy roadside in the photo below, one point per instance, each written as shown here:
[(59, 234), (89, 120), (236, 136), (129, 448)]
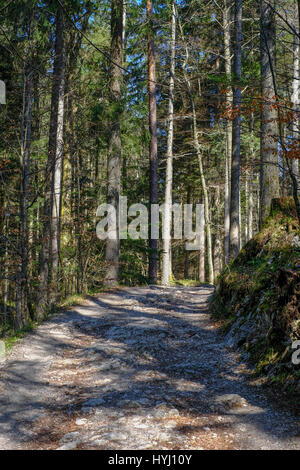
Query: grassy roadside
[(11, 336), (187, 283)]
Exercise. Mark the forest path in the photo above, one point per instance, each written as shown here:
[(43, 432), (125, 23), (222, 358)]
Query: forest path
[(137, 368)]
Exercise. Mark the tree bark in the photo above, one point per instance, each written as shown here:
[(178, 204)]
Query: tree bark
[(202, 248), (187, 253), (250, 214), (52, 167), (22, 297), (206, 201), (112, 250), (295, 87), (169, 169), (236, 138), (217, 242), (250, 182), (269, 170), (153, 245), (201, 170), (227, 59), (57, 144)]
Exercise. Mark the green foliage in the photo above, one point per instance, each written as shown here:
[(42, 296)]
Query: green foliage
[(258, 291)]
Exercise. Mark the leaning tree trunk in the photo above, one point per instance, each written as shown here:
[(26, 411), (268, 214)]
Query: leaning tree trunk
[(206, 200), (169, 170), (112, 250), (236, 137), (269, 169)]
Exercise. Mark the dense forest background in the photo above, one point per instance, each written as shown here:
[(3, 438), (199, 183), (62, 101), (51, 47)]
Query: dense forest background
[(186, 102)]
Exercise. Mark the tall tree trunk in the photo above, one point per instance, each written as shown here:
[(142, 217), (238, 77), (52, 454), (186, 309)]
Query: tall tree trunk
[(250, 213), (201, 170), (169, 170), (124, 21), (5, 287), (269, 170), (58, 147), (250, 182), (202, 247), (112, 250), (206, 201), (153, 245), (227, 57), (236, 138), (51, 183), (295, 87), (186, 259), (217, 245), (22, 299), (246, 224)]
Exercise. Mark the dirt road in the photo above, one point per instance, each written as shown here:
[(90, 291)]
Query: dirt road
[(139, 368)]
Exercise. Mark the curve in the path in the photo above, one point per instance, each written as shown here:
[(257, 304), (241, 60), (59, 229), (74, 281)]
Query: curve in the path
[(137, 368)]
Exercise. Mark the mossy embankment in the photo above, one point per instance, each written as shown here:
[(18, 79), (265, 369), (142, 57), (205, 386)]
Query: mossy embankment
[(257, 297)]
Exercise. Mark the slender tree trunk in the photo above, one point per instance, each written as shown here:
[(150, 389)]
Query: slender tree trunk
[(169, 170), (202, 247), (227, 58), (295, 87), (269, 170), (186, 259), (201, 170), (124, 44), (5, 287), (23, 282), (206, 202), (51, 185), (250, 214), (250, 182), (78, 230), (240, 219), (153, 245), (36, 181), (246, 224), (112, 251), (217, 244), (124, 21), (236, 130), (58, 146)]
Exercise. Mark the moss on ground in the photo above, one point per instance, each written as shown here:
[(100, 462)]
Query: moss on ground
[(257, 297), (186, 283)]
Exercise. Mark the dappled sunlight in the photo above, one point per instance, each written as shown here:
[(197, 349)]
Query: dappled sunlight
[(133, 378)]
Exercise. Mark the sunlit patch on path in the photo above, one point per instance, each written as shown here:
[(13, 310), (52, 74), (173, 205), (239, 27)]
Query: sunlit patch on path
[(138, 368)]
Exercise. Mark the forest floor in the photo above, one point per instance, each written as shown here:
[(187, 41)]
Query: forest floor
[(136, 368)]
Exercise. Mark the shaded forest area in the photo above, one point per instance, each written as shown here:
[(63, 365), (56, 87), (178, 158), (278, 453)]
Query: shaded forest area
[(176, 101)]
